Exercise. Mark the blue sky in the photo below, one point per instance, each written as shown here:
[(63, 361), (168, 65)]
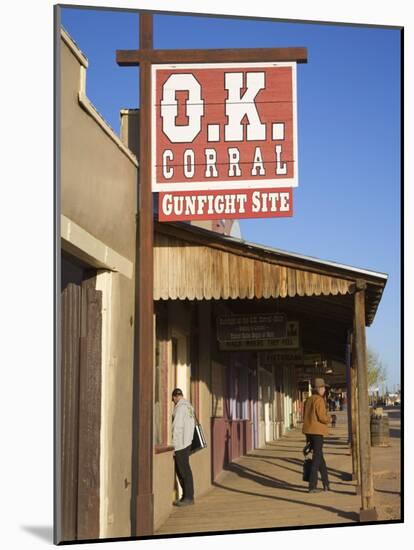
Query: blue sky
[(347, 205)]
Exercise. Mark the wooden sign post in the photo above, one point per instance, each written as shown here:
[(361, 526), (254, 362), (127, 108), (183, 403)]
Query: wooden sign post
[(142, 507)]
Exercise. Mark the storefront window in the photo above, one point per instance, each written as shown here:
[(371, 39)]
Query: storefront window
[(239, 393)]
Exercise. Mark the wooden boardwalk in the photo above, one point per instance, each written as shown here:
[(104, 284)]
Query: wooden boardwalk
[(264, 489)]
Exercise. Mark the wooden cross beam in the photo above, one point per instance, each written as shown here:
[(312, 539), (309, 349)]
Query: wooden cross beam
[(130, 58)]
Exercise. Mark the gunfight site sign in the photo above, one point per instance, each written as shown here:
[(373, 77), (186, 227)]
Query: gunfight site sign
[(224, 140)]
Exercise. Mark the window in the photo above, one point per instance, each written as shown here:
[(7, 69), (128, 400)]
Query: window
[(238, 392)]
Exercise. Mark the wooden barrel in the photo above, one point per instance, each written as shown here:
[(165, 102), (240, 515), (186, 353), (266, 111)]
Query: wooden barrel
[(380, 431)]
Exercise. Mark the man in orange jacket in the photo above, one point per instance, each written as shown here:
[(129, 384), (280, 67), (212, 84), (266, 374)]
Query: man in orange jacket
[(315, 427)]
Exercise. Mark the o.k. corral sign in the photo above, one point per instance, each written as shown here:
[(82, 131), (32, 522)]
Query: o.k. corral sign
[(224, 140)]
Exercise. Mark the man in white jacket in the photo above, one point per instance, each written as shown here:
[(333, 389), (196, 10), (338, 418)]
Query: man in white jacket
[(182, 436)]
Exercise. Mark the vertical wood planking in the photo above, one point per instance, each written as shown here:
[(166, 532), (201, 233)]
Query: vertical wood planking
[(234, 276), (258, 279), (344, 286), (267, 280), (157, 270), (308, 283), (71, 306), (291, 274), (217, 274), (326, 285), (188, 271), (190, 255), (334, 286), (164, 267), (182, 271), (90, 383), (275, 279), (225, 294), (300, 282), (250, 277), (173, 268), (283, 282), (206, 264)]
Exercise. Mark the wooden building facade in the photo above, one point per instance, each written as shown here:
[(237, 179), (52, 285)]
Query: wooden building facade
[(243, 396)]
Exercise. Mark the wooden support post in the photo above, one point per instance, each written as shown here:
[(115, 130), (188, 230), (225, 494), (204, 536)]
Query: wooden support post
[(348, 386), (142, 504), (367, 512), (355, 420)]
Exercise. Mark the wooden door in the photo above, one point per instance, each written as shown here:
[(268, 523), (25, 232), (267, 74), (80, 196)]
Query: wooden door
[(80, 404), (70, 353)]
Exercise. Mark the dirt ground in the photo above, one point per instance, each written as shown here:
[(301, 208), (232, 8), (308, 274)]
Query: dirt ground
[(387, 475)]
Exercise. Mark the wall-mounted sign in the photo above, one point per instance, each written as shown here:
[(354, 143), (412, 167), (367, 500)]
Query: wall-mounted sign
[(276, 358), (240, 328), (290, 341), (224, 127)]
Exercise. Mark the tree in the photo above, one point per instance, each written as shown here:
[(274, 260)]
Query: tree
[(376, 370)]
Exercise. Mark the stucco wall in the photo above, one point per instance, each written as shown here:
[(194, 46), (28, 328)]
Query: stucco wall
[(163, 487), (116, 431), (98, 189), (98, 180)]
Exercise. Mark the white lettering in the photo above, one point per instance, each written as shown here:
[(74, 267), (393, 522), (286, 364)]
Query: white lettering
[(258, 163), (189, 163), (284, 202), (281, 167), (256, 201), (202, 199), (166, 171), (167, 206), (241, 199), (190, 203), (264, 202), (273, 197), (238, 107), (234, 157), (219, 204), (230, 207), (169, 108), (211, 157), (179, 205), (210, 199)]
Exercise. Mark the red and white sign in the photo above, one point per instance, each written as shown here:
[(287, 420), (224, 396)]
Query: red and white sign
[(221, 127), (226, 204)]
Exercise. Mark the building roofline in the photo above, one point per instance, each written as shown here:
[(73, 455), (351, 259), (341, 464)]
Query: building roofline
[(287, 254), (77, 52)]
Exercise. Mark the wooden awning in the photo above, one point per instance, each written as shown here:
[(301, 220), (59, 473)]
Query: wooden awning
[(195, 264)]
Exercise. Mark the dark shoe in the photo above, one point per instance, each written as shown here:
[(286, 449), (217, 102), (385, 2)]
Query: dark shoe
[(314, 490), (326, 487), (184, 502)]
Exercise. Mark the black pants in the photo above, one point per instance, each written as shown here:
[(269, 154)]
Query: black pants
[(318, 461), (184, 473)]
